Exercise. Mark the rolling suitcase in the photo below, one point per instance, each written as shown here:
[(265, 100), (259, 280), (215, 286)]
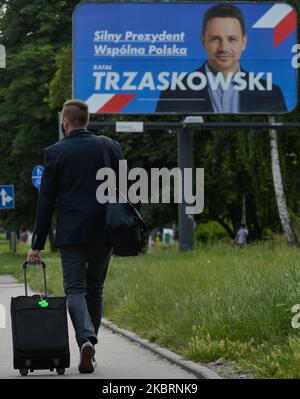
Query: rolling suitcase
[(39, 331)]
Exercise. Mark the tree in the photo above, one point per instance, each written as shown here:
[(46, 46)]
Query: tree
[(279, 191), (33, 33), (60, 87)]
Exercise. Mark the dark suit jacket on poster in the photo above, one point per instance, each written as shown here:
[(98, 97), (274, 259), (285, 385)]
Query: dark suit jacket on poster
[(187, 101), (70, 168)]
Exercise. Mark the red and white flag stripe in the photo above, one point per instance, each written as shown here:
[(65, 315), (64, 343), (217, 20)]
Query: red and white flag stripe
[(108, 103), (96, 101), (282, 18)]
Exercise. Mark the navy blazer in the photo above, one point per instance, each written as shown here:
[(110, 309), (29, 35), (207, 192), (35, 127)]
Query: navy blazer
[(255, 101), (70, 168)]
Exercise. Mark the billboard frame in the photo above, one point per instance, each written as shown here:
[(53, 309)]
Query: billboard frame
[(179, 2)]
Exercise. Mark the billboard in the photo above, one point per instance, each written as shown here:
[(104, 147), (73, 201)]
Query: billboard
[(179, 58)]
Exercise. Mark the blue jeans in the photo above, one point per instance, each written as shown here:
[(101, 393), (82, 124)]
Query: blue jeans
[(84, 272)]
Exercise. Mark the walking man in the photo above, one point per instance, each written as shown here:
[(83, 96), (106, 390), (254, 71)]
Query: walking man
[(70, 168)]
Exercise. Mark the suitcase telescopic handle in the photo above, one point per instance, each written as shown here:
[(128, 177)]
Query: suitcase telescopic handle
[(25, 264)]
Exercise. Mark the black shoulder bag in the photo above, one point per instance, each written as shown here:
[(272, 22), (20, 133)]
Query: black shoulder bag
[(125, 227)]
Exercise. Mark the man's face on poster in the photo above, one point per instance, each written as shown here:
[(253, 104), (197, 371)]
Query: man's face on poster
[(224, 43)]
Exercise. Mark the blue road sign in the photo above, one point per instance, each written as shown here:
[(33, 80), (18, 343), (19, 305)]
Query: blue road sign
[(37, 175), (7, 200)]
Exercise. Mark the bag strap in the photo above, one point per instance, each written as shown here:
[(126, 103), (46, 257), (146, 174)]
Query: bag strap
[(107, 163), (107, 160)]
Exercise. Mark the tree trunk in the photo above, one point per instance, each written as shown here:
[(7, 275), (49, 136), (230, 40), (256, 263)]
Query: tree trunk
[(225, 226), (243, 221), (279, 190)]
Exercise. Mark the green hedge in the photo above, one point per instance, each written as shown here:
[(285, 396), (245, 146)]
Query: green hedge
[(210, 231)]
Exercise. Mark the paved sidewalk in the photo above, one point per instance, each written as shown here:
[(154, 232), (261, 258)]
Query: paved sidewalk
[(117, 357)]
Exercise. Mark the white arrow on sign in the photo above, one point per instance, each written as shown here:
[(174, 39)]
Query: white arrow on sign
[(5, 198)]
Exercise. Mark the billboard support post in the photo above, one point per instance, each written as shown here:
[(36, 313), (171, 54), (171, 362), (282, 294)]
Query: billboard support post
[(185, 160), (13, 241)]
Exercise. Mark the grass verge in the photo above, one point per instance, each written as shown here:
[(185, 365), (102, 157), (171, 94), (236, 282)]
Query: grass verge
[(218, 302)]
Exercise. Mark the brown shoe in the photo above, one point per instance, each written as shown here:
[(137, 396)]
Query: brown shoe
[(87, 363)]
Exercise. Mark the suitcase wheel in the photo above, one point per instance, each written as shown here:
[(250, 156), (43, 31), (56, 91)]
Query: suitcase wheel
[(23, 372), (60, 371)]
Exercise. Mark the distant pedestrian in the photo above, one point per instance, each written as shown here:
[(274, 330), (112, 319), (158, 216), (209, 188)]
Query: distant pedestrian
[(158, 237), (176, 234), (151, 241), (24, 237), (241, 236)]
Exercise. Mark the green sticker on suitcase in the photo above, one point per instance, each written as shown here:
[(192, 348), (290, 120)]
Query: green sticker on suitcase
[(43, 303)]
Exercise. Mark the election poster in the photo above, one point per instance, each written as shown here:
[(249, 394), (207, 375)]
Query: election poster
[(179, 58)]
